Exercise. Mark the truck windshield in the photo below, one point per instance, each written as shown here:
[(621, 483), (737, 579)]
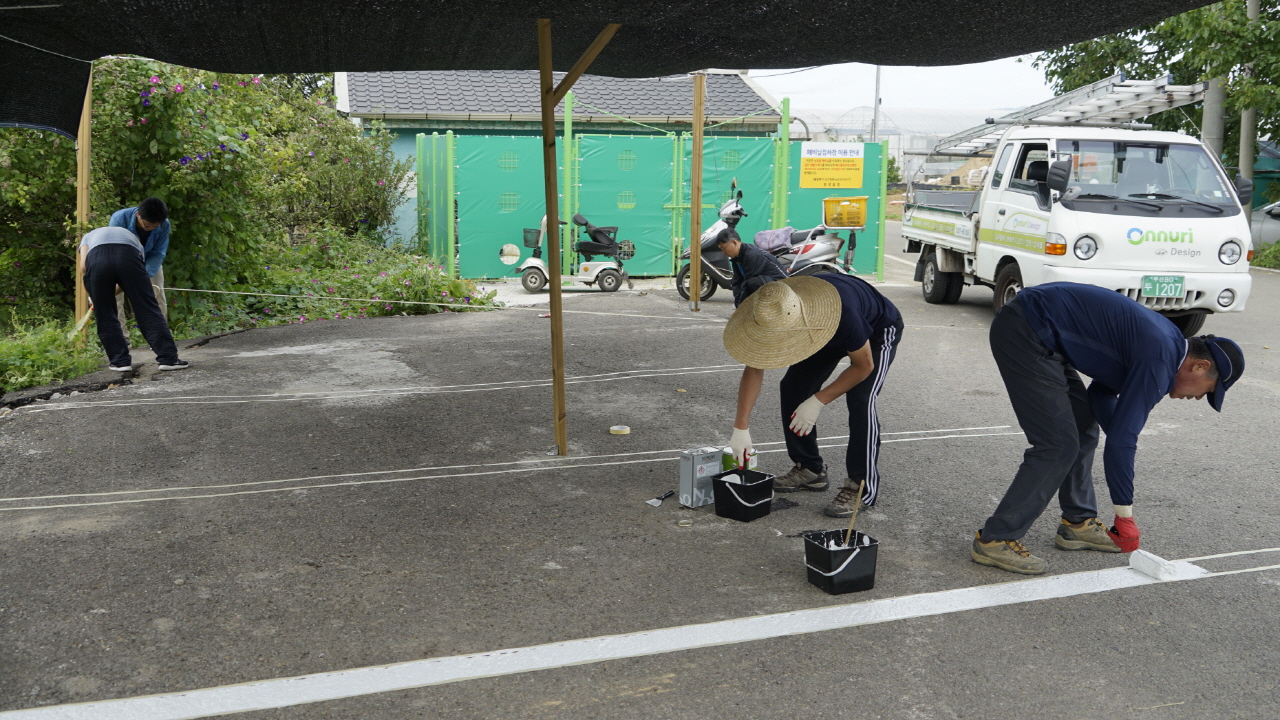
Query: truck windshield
[(1133, 178)]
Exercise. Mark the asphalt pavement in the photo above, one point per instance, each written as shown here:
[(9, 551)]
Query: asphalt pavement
[(344, 494)]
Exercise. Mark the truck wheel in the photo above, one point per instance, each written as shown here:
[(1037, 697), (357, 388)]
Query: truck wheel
[(682, 284), (609, 280), (1008, 285), (533, 280), (940, 288), (1190, 324)]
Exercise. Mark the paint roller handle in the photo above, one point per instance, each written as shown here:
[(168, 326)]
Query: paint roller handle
[(1125, 534), (740, 443)]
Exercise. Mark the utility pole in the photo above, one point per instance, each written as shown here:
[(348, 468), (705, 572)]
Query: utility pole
[(1249, 116), (1213, 126), (875, 109)]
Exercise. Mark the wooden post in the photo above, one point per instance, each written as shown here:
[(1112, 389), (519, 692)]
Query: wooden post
[(84, 156), (548, 88), (551, 95), (695, 193)]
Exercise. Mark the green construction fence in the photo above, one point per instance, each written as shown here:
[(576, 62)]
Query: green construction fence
[(638, 183)]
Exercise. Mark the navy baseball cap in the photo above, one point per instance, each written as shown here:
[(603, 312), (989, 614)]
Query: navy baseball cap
[(1229, 360)]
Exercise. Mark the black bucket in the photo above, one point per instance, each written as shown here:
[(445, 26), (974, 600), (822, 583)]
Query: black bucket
[(744, 501), (841, 569)]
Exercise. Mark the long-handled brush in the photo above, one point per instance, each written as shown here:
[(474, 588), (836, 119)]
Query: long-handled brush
[(857, 503)]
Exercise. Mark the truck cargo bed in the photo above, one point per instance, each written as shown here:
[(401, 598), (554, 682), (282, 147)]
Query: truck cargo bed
[(963, 202)]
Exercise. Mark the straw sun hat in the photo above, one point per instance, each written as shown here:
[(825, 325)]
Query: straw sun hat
[(783, 323)]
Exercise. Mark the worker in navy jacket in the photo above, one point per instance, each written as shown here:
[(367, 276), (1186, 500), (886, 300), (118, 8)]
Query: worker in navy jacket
[(149, 222), (1135, 357), (752, 267)]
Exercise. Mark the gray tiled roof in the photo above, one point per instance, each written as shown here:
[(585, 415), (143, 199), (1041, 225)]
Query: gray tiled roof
[(515, 92)]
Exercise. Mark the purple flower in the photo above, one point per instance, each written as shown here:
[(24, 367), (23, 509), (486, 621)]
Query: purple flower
[(146, 102), (380, 182), (145, 93), (244, 136), (185, 160), (177, 88), (222, 146), (143, 121), (312, 153), (215, 86), (303, 318), (346, 160), (17, 264), (155, 79), (330, 290)]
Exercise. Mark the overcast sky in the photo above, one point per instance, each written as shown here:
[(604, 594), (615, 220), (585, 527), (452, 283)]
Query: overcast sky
[(997, 85)]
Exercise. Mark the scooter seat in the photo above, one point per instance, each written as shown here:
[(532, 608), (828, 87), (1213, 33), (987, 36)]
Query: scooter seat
[(800, 236), (586, 247)]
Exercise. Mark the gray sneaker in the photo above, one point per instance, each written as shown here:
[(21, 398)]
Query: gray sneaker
[(1005, 554), (798, 478), (1092, 536), (844, 503)]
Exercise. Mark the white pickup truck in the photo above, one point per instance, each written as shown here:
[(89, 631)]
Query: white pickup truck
[(1151, 215)]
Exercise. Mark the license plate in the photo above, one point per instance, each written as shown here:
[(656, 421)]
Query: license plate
[(1162, 286)]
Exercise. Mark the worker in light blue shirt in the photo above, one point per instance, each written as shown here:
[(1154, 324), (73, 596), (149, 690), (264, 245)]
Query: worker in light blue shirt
[(1135, 357), (149, 221)]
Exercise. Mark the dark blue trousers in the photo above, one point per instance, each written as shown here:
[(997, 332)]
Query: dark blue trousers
[(1052, 406), (808, 376), (107, 266)]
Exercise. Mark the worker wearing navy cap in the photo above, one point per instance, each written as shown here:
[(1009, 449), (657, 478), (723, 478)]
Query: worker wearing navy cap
[(1135, 357)]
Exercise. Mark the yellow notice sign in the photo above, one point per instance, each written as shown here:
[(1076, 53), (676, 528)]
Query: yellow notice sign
[(831, 165)]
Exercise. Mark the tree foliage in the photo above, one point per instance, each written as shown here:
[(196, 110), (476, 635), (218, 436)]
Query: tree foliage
[(1213, 41), (237, 158)]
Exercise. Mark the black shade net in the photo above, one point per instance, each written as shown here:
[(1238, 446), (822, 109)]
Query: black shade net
[(46, 45)]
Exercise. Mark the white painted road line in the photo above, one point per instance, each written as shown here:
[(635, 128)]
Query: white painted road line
[(29, 409), (287, 692)]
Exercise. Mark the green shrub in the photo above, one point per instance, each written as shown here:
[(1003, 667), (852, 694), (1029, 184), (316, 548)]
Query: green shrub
[(315, 272), (1268, 256), (42, 354)]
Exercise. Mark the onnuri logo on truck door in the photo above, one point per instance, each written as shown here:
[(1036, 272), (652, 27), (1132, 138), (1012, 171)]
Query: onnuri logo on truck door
[(1021, 231)]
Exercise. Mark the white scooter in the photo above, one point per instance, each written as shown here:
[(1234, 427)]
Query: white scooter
[(606, 273)]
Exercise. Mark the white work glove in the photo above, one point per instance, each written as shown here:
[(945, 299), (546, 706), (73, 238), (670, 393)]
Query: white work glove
[(740, 443), (806, 416)]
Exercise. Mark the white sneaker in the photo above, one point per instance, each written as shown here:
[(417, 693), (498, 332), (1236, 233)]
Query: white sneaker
[(177, 365), (125, 368)]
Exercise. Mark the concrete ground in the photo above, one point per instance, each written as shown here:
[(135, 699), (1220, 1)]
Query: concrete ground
[(338, 495)]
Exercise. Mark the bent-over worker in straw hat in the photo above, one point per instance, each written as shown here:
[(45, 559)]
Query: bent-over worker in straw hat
[(808, 325), (1135, 357)]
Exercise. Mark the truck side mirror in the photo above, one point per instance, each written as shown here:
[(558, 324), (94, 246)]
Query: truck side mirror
[(1244, 190), (1059, 175)]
